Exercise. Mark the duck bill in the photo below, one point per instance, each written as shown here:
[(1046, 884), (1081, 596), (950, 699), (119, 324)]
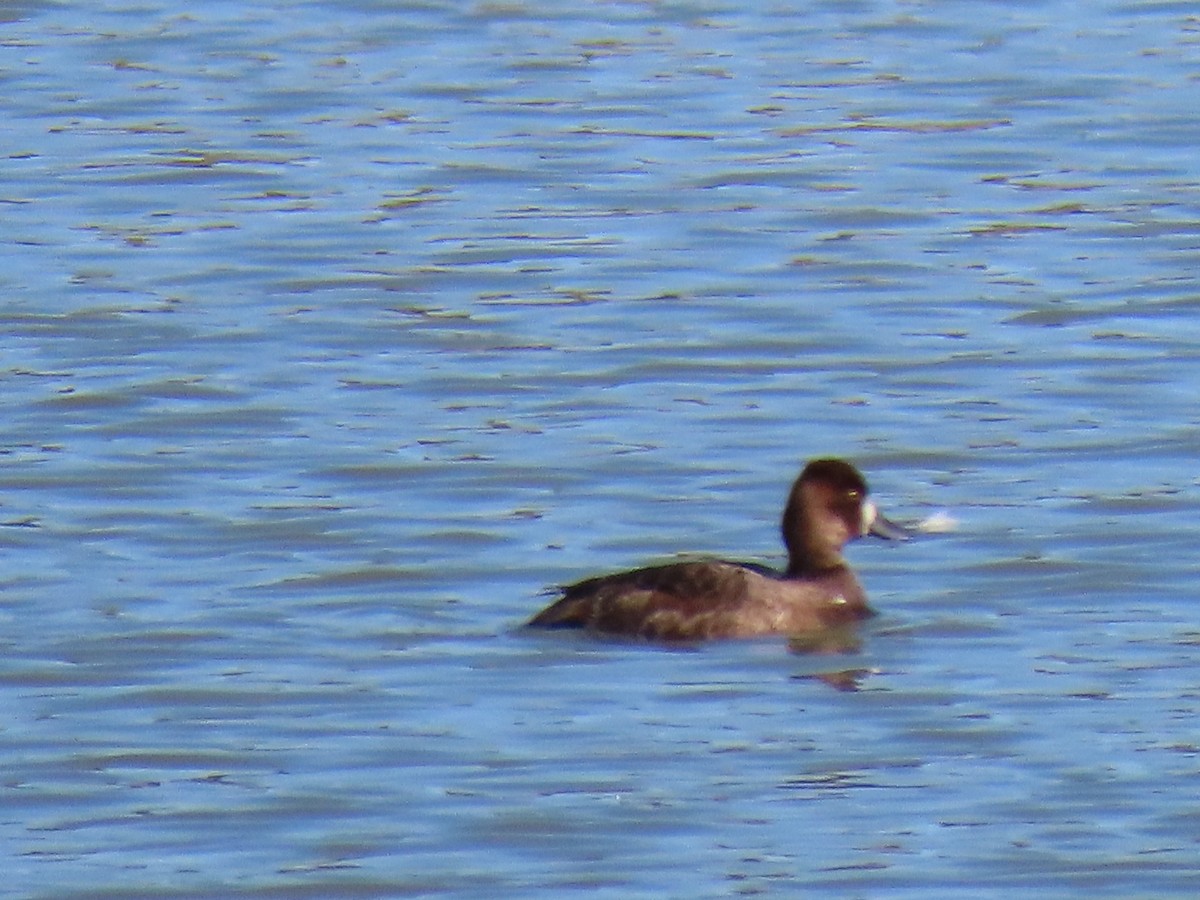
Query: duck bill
[(873, 522), (883, 528)]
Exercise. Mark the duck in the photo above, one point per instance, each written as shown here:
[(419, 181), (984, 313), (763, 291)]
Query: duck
[(704, 599)]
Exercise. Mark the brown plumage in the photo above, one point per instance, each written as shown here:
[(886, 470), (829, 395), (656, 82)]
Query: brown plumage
[(827, 508)]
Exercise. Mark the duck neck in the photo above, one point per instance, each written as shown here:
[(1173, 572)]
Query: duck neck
[(804, 560)]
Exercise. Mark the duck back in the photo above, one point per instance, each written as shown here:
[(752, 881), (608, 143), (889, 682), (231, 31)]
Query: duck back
[(706, 599)]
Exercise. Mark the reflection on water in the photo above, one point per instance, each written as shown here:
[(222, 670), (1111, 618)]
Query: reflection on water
[(332, 333)]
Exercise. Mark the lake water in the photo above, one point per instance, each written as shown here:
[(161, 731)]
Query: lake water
[(334, 333)]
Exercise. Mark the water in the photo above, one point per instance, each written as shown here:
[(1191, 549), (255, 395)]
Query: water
[(333, 333)]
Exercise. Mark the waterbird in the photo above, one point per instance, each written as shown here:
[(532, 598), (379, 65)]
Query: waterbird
[(704, 599)]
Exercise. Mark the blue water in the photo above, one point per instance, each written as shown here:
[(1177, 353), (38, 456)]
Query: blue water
[(333, 334)]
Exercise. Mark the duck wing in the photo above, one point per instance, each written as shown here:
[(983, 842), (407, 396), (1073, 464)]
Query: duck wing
[(678, 601)]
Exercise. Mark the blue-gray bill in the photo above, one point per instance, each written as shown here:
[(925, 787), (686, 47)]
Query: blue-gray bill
[(885, 528)]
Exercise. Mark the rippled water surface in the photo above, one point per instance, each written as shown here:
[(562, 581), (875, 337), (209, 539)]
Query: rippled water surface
[(333, 333)]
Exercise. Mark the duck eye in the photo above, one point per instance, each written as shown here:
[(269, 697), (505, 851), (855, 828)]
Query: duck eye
[(853, 493)]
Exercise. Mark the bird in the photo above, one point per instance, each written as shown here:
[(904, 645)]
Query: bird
[(704, 599)]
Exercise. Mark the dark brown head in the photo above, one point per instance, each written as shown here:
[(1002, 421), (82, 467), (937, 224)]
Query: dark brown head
[(827, 508)]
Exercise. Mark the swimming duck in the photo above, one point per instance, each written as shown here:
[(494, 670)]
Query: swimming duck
[(686, 601)]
